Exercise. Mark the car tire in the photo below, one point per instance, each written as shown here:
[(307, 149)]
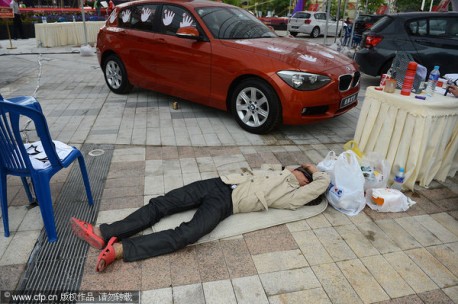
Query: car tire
[(256, 106), (294, 34), (315, 32), (116, 75)]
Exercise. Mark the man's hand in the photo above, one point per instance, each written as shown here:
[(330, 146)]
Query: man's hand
[(310, 168), (454, 90)]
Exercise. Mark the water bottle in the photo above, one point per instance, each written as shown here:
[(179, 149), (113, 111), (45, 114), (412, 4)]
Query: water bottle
[(398, 179), (74, 18), (432, 81)]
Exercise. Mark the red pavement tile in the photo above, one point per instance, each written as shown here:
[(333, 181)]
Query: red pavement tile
[(438, 194), (118, 276), (273, 239), (156, 273), (212, 265), (238, 259), (435, 297), (184, 268)]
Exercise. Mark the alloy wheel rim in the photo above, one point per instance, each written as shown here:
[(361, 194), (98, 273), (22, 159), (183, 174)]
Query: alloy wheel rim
[(113, 73), (252, 107)]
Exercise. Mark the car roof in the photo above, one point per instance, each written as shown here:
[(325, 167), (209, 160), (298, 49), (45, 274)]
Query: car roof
[(409, 15), (310, 12), (189, 3)]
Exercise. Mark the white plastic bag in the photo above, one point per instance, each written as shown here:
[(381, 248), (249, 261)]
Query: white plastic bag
[(346, 191), (376, 170), (388, 200), (327, 164)]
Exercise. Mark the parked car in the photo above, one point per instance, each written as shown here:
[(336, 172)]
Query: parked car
[(364, 22), (223, 57), (431, 39), (313, 24), (277, 23)]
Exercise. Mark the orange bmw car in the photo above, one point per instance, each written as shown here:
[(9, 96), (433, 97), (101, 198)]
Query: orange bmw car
[(221, 56)]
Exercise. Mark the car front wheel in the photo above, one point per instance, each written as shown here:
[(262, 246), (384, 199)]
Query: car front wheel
[(315, 32), (255, 106), (116, 75)]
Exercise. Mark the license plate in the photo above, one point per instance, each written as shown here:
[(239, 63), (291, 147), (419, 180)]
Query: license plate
[(295, 27), (348, 100)]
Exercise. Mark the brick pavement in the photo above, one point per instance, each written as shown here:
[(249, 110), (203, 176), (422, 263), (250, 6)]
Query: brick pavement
[(409, 257)]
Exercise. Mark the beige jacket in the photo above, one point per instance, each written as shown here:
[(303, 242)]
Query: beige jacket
[(272, 187)]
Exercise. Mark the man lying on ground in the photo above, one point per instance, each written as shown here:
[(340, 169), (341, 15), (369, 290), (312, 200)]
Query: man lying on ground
[(215, 200)]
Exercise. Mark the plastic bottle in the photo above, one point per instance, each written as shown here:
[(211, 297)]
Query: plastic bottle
[(74, 20), (398, 179), (409, 78), (432, 81)]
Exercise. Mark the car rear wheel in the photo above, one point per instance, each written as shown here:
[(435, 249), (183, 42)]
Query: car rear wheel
[(255, 106), (116, 75), (315, 32), (294, 34)]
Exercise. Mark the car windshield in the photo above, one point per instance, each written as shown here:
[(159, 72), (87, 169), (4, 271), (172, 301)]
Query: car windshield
[(233, 23)]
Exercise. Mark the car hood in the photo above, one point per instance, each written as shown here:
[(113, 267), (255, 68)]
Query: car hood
[(306, 56)]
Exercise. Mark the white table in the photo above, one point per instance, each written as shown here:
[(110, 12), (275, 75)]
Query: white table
[(419, 135), (66, 33)]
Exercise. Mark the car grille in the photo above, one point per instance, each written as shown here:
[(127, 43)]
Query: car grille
[(348, 81)]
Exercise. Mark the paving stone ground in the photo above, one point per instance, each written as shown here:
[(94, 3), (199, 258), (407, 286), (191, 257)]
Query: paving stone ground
[(408, 257)]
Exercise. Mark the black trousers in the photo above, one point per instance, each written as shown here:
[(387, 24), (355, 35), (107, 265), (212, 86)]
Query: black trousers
[(213, 201), (18, 31)]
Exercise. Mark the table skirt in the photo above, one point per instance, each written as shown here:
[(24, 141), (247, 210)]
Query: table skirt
[(421, 136), (66, 33)]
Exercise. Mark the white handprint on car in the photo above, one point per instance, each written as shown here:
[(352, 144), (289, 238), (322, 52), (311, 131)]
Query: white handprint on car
[(168, 17), (146, 12), (187, 21), (113, 16), (125, 15)]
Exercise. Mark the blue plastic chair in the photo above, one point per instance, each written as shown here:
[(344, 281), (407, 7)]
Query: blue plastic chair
[(14, 159)]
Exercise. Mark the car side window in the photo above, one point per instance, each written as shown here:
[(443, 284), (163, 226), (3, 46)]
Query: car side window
[(320, 16), (452, 29), (174, 17), (437, 27), (418, 27), (140, 17)]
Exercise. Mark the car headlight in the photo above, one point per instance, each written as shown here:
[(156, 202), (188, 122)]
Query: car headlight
[(304, 81)]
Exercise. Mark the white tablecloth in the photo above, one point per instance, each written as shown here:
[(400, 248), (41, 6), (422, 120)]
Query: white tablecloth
[(419, 135), (66, 33)]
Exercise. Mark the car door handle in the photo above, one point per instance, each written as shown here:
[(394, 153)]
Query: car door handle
[(423, 41), (160, 40)]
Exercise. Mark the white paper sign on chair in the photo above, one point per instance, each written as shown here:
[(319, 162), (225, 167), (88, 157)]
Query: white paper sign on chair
[(38, 157)]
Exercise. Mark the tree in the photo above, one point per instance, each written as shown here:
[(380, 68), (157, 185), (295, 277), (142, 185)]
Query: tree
[(412, 5)]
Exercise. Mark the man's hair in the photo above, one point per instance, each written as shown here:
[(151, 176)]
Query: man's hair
[(306, 173)]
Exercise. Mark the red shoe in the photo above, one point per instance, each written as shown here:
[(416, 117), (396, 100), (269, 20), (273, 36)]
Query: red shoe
[(85, 231), (107, 256)]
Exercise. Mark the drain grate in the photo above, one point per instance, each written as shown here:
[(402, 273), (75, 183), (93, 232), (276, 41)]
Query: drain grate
[(58, 266)]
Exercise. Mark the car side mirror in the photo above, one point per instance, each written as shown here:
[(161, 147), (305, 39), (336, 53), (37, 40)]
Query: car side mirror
[(188, 32)]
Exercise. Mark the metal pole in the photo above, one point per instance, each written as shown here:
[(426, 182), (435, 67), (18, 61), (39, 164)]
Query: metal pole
[(328, 11), (83, 15), (431, 6), (337, 20), (11, 47), (422, 5)]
